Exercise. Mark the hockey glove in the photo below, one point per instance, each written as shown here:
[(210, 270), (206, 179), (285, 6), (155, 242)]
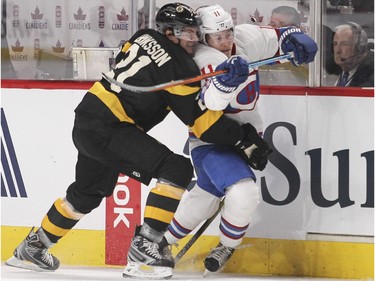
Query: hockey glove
[(238, 71), (292, 39), (253, 149)]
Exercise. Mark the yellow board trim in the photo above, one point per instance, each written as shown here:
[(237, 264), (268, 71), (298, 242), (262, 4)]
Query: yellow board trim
[(263, 256), (111, 101), (158, 214), (78, 247)]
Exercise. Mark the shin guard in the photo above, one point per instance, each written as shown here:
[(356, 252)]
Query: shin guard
[(196, 206), (240, 203)]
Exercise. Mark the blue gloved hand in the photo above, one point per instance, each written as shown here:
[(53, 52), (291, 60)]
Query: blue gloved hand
[(238, 71), (292, 39)]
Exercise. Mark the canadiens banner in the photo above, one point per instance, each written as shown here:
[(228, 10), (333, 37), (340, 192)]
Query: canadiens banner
[(41, 35), (52, 28)]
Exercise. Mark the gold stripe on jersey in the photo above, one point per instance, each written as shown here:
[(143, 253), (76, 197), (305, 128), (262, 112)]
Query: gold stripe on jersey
[(158, 214), (53, 229), (126, 47), (182, 90), (111, 101), (205, 121), (168, 191)]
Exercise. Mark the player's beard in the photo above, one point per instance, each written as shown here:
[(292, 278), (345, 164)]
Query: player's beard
[(190, 47)]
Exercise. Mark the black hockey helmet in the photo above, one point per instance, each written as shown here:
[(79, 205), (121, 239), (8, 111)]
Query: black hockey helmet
[(176, 16)]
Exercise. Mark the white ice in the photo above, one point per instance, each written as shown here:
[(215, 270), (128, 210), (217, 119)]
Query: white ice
[(65, 273)]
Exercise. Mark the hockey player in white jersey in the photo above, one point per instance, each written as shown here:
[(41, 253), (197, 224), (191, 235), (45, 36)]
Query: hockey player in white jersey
[(220, 169)]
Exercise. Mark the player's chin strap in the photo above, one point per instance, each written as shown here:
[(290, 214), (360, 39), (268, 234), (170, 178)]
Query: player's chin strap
[(162, 86)]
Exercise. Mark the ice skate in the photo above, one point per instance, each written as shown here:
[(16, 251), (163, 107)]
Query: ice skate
[(32, 254), (218, 258), (148, 260)]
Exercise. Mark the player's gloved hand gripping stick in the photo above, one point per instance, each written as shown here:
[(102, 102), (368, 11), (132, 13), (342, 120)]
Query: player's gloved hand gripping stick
[(237, 72)]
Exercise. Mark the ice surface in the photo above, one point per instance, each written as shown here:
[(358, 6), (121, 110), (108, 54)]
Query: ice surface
[(115, 273)]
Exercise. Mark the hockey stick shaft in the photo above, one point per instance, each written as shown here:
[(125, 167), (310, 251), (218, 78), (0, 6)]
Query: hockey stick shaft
[(155, 88), (197, 234)]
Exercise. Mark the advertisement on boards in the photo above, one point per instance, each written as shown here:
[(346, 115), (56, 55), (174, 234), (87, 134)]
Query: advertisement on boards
[(319, 178)]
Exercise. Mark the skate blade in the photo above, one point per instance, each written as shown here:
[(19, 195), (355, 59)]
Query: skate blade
[(142, 271), (207, 273), (13, 261)]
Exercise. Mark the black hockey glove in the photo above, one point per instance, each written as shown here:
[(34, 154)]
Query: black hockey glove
[(253, 149)]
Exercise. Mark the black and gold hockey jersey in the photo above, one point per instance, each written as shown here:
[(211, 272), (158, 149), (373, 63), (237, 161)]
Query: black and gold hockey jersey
[(150, 58)]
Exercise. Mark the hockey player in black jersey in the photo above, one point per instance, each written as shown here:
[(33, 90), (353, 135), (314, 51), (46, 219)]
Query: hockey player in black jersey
[(110, 134)]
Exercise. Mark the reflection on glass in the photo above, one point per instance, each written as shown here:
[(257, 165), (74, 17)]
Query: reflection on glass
[(31, 31), (38, 40)]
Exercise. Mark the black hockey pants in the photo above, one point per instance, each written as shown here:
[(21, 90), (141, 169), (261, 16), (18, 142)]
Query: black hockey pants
[(106, 150)]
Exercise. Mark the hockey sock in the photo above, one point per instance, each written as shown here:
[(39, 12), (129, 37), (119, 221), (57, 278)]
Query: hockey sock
[(161, 205), (60, 218)]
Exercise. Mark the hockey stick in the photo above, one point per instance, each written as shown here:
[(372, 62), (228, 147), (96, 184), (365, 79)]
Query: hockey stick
[(199, 232), (162, 86)]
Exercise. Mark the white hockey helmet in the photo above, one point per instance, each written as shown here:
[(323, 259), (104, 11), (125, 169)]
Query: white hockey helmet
[(214, 19)]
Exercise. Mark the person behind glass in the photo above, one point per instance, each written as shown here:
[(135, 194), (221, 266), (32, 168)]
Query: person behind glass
[(352, 55), (286, 74), (284, 16), (110, 134)]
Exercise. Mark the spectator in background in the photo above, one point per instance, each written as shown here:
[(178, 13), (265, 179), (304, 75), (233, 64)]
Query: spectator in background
[(351, 53), (329, 64), (233, 13), (285, 74), (284, 16)]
